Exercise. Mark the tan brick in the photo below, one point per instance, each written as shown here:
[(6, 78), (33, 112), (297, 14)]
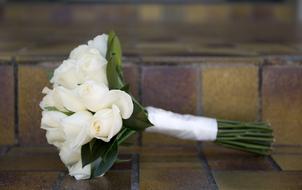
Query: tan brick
[(160, 139), (289, 162), (287, 149), (27, 180), (268, 49), (230, 92), (233, 180), (131, 75), (31, 159), (7, 103), (220, 158), (170, 87), (204, 13), (171, 168), (150, 12), (282, 102), (32, 79), (115, 180), (170, 154), (166, 175), (164, 151)]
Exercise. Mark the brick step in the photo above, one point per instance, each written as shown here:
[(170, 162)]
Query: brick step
[(243, 63), (232, 61), (245, 89), (157, 168)]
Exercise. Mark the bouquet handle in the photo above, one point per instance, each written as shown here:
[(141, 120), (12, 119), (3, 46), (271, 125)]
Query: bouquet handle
[(254, 137)]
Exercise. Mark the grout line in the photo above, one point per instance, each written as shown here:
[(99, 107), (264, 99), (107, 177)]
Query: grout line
[(139, 82), (4, 150), (288, 145), (139, 139), (139, 85), (274, 163), (260, 80), (199, 90), (16, 100), (288, 153), (206, 166), (135, 172), (57, 184), (35, 170)]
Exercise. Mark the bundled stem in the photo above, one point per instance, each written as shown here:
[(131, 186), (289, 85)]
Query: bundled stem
[(254, 137)]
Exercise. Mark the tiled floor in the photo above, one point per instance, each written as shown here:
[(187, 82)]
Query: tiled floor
[(200, 52), (195, 166)]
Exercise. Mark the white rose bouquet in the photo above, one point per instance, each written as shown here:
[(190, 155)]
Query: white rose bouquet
[(88, 113)]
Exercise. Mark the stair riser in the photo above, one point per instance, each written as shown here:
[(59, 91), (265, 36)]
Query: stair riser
[(241, 89)]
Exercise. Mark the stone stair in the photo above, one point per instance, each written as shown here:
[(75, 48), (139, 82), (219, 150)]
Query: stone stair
[(227, 69)]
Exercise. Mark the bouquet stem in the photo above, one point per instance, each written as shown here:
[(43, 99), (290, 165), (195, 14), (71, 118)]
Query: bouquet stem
[(254, 137)]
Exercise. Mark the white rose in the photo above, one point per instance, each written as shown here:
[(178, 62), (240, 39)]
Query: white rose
[(51, 122), (99, 75), (106, 123), (91, 94), (77, 52), (80, 172), (100, 43), (119, 98), (55, 137), (97, 97), (93, 66), (51, 119), (69, 99), (51, 99), (68, 155), (76, 129), (67, 74)]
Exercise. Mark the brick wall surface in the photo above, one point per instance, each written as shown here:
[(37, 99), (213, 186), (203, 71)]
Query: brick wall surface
[(231, 61), (261, 90)]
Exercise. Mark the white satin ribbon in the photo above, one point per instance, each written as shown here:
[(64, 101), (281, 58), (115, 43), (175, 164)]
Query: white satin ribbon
[(182, 126)]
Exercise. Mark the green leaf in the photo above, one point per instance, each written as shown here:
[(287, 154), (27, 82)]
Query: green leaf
[(122, 160), (125, 88), (113, 77), (114, 48), (103, 164), (50, 74), (86, 154), (100, 148), (51, 108), (139, 118), (114, 58), (124, 134), (94, 166), (94, 149)]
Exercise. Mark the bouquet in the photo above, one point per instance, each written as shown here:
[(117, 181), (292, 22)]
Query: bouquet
[(89, 112)]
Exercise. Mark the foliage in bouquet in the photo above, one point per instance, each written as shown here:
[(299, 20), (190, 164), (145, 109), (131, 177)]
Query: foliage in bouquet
[(89, 111), (100, 154)]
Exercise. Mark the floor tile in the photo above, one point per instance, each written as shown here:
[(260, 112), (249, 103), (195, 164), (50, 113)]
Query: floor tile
[(31, 159), (173, 178), (220, 158), (260, 180), (160, 139), (289, 162), (13, 180), (7, 105), (230, 92), (113, 180), (282, 102)]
